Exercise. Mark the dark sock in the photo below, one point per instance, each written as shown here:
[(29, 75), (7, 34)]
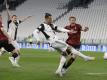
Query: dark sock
[(14, 55), (66, 65)]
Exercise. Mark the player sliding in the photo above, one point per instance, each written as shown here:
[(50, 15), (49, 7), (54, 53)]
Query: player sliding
[(6, 43), (48, 29)]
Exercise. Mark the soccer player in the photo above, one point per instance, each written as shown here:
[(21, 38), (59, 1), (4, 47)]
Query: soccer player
[(13, 25), (12, 28), (48, 29), (6, 43), (73, 39)]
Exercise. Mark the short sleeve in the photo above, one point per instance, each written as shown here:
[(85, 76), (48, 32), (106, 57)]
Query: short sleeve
[(9, 21), (41, 27), (20, 21)]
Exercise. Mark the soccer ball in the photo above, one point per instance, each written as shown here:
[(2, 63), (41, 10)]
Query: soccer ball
[(105, 56)]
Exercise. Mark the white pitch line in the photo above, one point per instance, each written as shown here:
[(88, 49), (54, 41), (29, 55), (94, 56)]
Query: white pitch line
[(96, 73)]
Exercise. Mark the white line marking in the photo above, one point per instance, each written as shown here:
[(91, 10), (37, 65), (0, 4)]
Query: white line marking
[(96, 73)]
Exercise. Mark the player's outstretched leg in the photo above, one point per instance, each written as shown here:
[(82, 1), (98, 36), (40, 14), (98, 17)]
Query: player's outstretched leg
[(71, 58), (68, 63), (86, 58), (15, 58)]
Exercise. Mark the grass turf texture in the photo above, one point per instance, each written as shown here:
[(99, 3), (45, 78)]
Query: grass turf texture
[(41, 65)]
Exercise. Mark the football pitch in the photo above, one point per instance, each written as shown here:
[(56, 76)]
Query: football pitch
[(41, 65)]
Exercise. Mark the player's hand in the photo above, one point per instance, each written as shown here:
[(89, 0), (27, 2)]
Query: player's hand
[(86, 29), (72, 31)]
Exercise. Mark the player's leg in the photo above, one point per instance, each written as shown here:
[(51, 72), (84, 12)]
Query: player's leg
[(16, 45), (1, 46), (60, 47), (15, 57), (68, 63), (63, 47), (71, 59), (78, 53), (61, 64), (15, 54), (2, 51)]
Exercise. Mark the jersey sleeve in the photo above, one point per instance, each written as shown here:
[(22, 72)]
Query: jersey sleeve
[(41, 27), (56, 27), (9, 21), (20, 21), (36, 35)]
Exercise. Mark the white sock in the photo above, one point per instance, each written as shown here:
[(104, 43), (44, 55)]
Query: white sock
[(17, 59), (62, 61), (0, 53), (12, 60), (79, 53), (2, 49)]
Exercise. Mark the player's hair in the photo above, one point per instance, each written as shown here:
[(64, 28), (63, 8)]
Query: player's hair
[(72, 17), (14, 16), (47, 15)]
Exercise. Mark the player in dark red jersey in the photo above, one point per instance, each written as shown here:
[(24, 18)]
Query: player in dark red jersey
[(73, 39), (6, 43)]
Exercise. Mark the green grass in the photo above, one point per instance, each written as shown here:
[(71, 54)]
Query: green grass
[(41, 65)]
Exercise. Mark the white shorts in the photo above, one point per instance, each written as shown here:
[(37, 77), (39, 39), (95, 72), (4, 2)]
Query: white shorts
[(58, 44), (16, 45)]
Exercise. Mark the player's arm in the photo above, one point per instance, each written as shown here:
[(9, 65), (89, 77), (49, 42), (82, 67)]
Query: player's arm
[(23, 20), (85, 29), (8, 12), (6, 34), (59, 29), (36, 35), (66, 30)]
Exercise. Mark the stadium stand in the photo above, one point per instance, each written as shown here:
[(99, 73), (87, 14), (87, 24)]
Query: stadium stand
[(93, 15)]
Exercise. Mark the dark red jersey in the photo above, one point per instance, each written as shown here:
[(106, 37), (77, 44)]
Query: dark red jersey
[(2, 36), (74, 38)]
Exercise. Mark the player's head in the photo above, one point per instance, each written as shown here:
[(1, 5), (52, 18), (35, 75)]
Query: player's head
[(14, 17), (72, 20), (48, 18)]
